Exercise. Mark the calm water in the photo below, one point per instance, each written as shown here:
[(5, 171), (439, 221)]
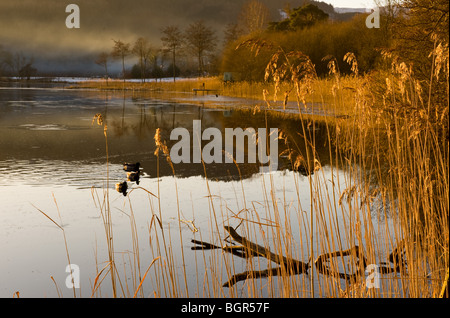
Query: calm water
[(53, 159)]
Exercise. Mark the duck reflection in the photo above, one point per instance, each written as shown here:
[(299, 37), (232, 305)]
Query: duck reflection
[(133, 176), (122, 187)]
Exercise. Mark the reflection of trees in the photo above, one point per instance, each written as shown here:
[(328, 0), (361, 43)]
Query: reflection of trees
[(132, 122), (153, 114), (137, 122), (120, 128), (292, 145)]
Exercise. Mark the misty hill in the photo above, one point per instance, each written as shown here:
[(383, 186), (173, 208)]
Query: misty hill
[(37, 28)]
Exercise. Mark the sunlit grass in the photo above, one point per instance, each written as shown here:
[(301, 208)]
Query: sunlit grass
[(323, 93)]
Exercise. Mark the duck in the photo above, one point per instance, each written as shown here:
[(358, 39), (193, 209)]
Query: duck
[(131, 166), (122, 187), (133, 176), (304, 171)]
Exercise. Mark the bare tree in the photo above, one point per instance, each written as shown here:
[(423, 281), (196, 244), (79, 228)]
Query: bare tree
[(200, 40), (172, 41), (120, 51), (27, 71), (5, 60), (18, 61), (254, 16), (20, 65), (102, 60), (231, 33), (143, 50)]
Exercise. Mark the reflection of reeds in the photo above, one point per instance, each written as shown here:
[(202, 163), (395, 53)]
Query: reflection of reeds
[(65, 244)]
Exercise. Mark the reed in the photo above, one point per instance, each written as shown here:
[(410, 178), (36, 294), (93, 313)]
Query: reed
[(384, 202)]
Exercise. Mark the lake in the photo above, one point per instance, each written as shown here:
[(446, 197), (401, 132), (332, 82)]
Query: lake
[(57, 167)]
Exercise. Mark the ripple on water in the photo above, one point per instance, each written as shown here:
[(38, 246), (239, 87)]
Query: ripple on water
[(54, 173)]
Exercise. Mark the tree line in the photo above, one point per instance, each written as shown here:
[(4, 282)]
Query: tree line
[(410, 29), (197, 40), (16, 64)]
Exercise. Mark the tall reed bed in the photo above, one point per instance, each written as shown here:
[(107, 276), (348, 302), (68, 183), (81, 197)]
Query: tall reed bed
[(394, 149), (382, 199)]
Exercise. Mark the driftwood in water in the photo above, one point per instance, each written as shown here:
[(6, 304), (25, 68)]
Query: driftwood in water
[(321, 263), (396, 257), (249, 249), (290, 266), (235, 250), (297, 266), (287, 265)]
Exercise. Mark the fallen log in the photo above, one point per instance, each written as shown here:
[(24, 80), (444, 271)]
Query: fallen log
[(235, 250), (288, 265), (291, 266), (298, 266), (321, 264)]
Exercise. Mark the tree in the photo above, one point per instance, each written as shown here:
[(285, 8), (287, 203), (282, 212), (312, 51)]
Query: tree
[(419, 28), (173, 70), (102, 60), (231, 33), (200, 40), (254, 16), (172, 42), (27, 71), (144, 52), (20, 65), (5, 60), (120, 51), (243, 63), (300, 18), (307, 16), (158, 66)]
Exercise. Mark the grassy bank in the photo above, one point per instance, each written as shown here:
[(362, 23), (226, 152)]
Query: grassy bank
[(263, 94)]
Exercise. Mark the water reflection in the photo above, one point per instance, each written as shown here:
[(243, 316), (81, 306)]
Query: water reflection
[(50, 145), (57, 126), (122, 187)]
